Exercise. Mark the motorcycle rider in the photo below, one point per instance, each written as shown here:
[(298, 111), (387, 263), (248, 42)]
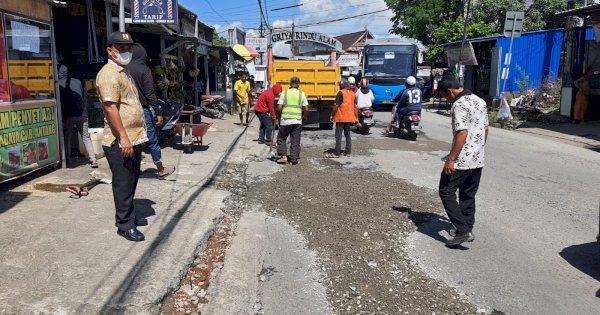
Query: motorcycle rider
[(352, 82), (364, 96), (410, 100)]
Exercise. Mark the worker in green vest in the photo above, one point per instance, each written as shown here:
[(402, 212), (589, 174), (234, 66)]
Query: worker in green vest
[(292, 104)]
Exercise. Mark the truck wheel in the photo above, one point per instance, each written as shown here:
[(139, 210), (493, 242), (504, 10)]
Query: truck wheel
[(327, 126)]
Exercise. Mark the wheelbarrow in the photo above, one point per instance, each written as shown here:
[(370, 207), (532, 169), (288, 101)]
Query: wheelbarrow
[(191, 133)]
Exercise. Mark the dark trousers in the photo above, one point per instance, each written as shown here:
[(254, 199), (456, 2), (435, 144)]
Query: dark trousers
[(266, 127), (339, 129), (125, 175), (294, 132), (462, 212)]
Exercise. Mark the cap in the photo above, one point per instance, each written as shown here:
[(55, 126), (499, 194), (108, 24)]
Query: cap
[(119, 38), (344, 83), (295, 80)]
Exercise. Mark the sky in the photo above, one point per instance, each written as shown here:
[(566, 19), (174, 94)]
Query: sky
[(223, 14)]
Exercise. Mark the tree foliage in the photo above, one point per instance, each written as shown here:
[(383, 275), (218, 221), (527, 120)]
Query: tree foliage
[(436, 22), (219, 41)]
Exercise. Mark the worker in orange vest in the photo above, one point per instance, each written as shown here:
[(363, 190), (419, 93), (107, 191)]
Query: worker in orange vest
[(345, 115)]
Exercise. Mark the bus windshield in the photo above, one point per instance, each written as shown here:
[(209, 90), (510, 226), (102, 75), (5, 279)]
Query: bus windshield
[(390, 60)]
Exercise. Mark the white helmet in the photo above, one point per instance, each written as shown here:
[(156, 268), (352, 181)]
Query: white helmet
[(411, 81), (351, 80)]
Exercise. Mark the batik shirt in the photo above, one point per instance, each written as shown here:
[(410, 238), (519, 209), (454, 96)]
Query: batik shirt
[(115, 85), (469, 112)]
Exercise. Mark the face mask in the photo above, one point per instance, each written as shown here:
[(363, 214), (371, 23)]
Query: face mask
[(123, 58)]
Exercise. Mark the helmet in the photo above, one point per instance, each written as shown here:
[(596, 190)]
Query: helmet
[(351, 80), (411, 81), (344, 84), (364, 83)]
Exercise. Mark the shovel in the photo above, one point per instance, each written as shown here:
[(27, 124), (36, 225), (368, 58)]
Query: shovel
[(271, 152), (83, 189)]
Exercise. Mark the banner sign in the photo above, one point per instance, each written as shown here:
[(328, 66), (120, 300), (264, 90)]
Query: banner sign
[(154, 11), (28, 138), (464, 55), (257, 43), (306, 36)]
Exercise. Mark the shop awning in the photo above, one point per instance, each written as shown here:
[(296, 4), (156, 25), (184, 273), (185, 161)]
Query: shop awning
[(247, 53), (583, 11)]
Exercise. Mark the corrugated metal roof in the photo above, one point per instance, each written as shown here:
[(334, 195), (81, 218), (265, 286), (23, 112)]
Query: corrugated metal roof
[(490, 38), (590, 9)]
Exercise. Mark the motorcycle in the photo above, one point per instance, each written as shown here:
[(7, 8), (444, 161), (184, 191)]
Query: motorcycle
[(409, 127), (212, 106), (365, 120), (170, 112)]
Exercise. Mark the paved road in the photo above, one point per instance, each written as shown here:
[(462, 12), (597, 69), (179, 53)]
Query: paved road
[(537, 219)]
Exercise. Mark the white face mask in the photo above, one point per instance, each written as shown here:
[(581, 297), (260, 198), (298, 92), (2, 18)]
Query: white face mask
[(123, 58)]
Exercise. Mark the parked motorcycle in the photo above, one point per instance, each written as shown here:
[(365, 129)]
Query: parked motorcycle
[(365, 120), (212, 106), (409, 127), (170, 112)]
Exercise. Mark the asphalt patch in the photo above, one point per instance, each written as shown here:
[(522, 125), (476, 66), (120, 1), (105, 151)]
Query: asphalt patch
[(358, 222)]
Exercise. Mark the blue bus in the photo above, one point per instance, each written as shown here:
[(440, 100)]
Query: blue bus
[(387, 63)]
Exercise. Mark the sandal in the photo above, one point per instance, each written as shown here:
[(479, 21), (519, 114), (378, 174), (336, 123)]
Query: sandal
[(170, 171), (332, 156), (94, 165)]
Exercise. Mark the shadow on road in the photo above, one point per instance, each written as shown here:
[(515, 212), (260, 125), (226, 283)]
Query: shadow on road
[(430, 224), (585, 257), (9, 199), (144, 208)]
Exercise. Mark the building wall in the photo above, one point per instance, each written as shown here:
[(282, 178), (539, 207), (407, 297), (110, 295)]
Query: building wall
[(38, 9), (537, 54)]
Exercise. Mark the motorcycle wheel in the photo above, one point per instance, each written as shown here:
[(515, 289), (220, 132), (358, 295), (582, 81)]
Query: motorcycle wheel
[(221, 113), (412, 136), (364, 130)]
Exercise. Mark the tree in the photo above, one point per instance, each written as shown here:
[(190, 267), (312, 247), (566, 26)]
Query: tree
[(494, 11), (219, 41), (418, 18), (542, 15), (451, 31)]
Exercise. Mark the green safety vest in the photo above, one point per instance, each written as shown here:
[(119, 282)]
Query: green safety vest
[(292, 104)]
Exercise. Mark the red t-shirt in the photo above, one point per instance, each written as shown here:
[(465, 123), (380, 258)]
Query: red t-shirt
[(266, 101)]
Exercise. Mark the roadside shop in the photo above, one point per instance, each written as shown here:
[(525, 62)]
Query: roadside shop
[(29, 124)]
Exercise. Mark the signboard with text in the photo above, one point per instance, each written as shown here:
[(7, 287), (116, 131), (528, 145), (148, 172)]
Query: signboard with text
[(257, 43), (28, 138), (154, 11), (306, 36)]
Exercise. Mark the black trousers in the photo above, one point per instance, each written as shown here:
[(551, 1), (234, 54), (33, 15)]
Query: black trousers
[(462, 212), (293, 132), (125, 175), (339, 129), (266, 127)]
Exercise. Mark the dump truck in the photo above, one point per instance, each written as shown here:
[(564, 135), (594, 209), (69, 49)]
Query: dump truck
[(318, 81)]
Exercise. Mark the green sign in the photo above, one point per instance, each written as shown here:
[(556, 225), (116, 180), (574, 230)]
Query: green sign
[(28, 138)]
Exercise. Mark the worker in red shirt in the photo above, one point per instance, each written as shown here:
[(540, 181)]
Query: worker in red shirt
[(265, 111)]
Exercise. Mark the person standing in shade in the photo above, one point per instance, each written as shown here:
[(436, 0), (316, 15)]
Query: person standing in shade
[(124, 132), (74, 112), (142, 76), (345, 115), (581, 99), (464, 165), (265, 111), (242, 88), (292, 103)]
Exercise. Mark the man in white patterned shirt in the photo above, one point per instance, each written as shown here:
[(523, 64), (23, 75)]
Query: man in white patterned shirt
[(463, 166)]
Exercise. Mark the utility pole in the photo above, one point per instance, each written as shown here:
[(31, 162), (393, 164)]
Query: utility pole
[(293, 46), (121, 15)]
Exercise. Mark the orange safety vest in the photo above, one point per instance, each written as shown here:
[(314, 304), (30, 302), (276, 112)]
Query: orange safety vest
[(346, 111)]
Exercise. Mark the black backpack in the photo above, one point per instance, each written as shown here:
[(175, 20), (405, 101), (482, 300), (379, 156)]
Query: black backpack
[(72, 103)]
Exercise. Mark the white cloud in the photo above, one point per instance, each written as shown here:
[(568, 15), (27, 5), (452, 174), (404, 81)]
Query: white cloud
[(322, 10)]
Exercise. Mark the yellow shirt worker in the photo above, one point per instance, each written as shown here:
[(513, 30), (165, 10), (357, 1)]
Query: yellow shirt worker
[(241, 89)]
